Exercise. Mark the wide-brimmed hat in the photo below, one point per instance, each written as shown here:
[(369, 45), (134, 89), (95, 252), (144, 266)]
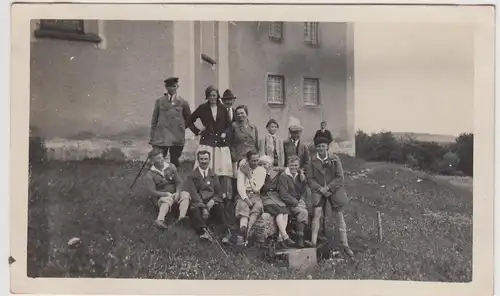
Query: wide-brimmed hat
[(228, 95), (294, 125)]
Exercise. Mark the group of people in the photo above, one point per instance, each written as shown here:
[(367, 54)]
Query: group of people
[(236, 167)]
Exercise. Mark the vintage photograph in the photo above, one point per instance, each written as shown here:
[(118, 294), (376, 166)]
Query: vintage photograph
[(251, 150)]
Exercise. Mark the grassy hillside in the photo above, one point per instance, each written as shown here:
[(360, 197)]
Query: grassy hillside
[(427, 229)]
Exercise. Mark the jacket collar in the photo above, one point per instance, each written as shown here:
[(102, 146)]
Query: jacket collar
[(288, 173), (162, 173)]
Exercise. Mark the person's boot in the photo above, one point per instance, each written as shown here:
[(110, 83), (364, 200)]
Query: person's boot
[(348, 251), (226, 239), (300, 241), (289, 243), (240, 240)]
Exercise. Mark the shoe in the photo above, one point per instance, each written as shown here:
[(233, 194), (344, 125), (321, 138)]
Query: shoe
[(160, 224), (348, 251), (280, 245), (289, 243), (206, 236), (300, 242), (240, 241), (309, 244), (227, 238)]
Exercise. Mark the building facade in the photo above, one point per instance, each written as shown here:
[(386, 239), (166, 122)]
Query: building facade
[(94, 82)]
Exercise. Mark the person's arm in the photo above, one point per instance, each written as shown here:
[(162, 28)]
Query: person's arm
[(307, 156), (316, 135), (262, 146), (313, 183), (177, 179), (150, 187), (329, 136), (154, 120), (283, 190), (256, 138), (217, 190), (192, 119), (338, 179), (196, 200), (240, 185), (186, 111)]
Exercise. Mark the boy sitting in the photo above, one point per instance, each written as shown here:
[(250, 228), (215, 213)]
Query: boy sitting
[(163, 185)]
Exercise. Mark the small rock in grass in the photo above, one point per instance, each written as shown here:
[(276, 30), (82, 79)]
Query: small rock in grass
[(74, 243)]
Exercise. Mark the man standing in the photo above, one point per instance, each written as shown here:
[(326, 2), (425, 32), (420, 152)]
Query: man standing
[(227, 100), (204, 188), (294, 146), (171, 115), (325, 176), (249, 207), (323, 133)]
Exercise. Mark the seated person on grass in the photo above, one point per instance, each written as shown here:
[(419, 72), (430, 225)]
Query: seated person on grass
[(163, 185), (293, 191), (206, 198), (250, 179), (325, 176), (273, 204)]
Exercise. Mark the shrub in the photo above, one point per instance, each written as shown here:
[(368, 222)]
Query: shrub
[(423, 155), (464, 148)]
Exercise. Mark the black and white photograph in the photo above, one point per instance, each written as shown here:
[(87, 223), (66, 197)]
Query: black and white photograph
[(255, 147)]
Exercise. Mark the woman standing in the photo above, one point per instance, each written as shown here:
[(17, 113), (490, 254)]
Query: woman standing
[(214, 137), (245, 136)]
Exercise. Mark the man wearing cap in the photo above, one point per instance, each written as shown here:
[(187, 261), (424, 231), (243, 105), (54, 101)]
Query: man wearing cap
[(325, 177), (293, 145), (171, 115), (163, 185), (227, 101)]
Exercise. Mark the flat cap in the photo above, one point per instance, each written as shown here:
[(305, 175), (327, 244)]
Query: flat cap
[(171, 81)]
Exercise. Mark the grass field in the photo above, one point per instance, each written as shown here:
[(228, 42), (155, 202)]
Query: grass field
[(427, 229)]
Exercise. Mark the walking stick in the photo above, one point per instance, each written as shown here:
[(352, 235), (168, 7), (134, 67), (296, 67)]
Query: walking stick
[(140, 172), (218, 244)]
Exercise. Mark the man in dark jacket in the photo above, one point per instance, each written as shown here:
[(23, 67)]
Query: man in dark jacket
[(323, 133), (292, 190), (204, 188), (171, 115), (325, 176), (294, 146)]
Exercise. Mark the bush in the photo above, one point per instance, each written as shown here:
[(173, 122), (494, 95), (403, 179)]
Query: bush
[(428, 156), (464, 148)]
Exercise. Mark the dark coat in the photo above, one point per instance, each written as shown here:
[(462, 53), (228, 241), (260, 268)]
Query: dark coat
[(291, 191), (301, 151), (330, 174), (156, 184), (211, 136), (326, 134), (169, 121), (269, 192), (203, 190)]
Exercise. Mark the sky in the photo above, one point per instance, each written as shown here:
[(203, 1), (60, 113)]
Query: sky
[(414, 78)]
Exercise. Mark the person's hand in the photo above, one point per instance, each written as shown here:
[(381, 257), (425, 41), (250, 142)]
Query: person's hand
[(223, 135), (210, 204), (168, 194), (245, 169), (175, 195), (328, 194), (205, 214), (302, 203), (302, 176), (248, 202)]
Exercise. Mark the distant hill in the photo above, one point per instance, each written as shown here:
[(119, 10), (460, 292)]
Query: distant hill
[(428, 137)]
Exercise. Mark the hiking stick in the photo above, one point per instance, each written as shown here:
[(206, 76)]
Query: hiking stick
[(218, 244), (140, 172)]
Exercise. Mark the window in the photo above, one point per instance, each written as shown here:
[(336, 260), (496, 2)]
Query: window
[(207, 42), (276, 31), (311, 33), (275, 89), (74, 30), (311, 92)]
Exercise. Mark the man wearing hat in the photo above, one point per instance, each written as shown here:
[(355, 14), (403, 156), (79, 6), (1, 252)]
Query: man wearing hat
[(325, 177), (227, 101), (168, 124), (163, 185), (293, 145)]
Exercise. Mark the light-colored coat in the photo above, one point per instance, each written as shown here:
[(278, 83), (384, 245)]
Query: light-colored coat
[(266, 148), (169, 120)]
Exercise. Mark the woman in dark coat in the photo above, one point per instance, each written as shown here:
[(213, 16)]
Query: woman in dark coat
[(214, 137)]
